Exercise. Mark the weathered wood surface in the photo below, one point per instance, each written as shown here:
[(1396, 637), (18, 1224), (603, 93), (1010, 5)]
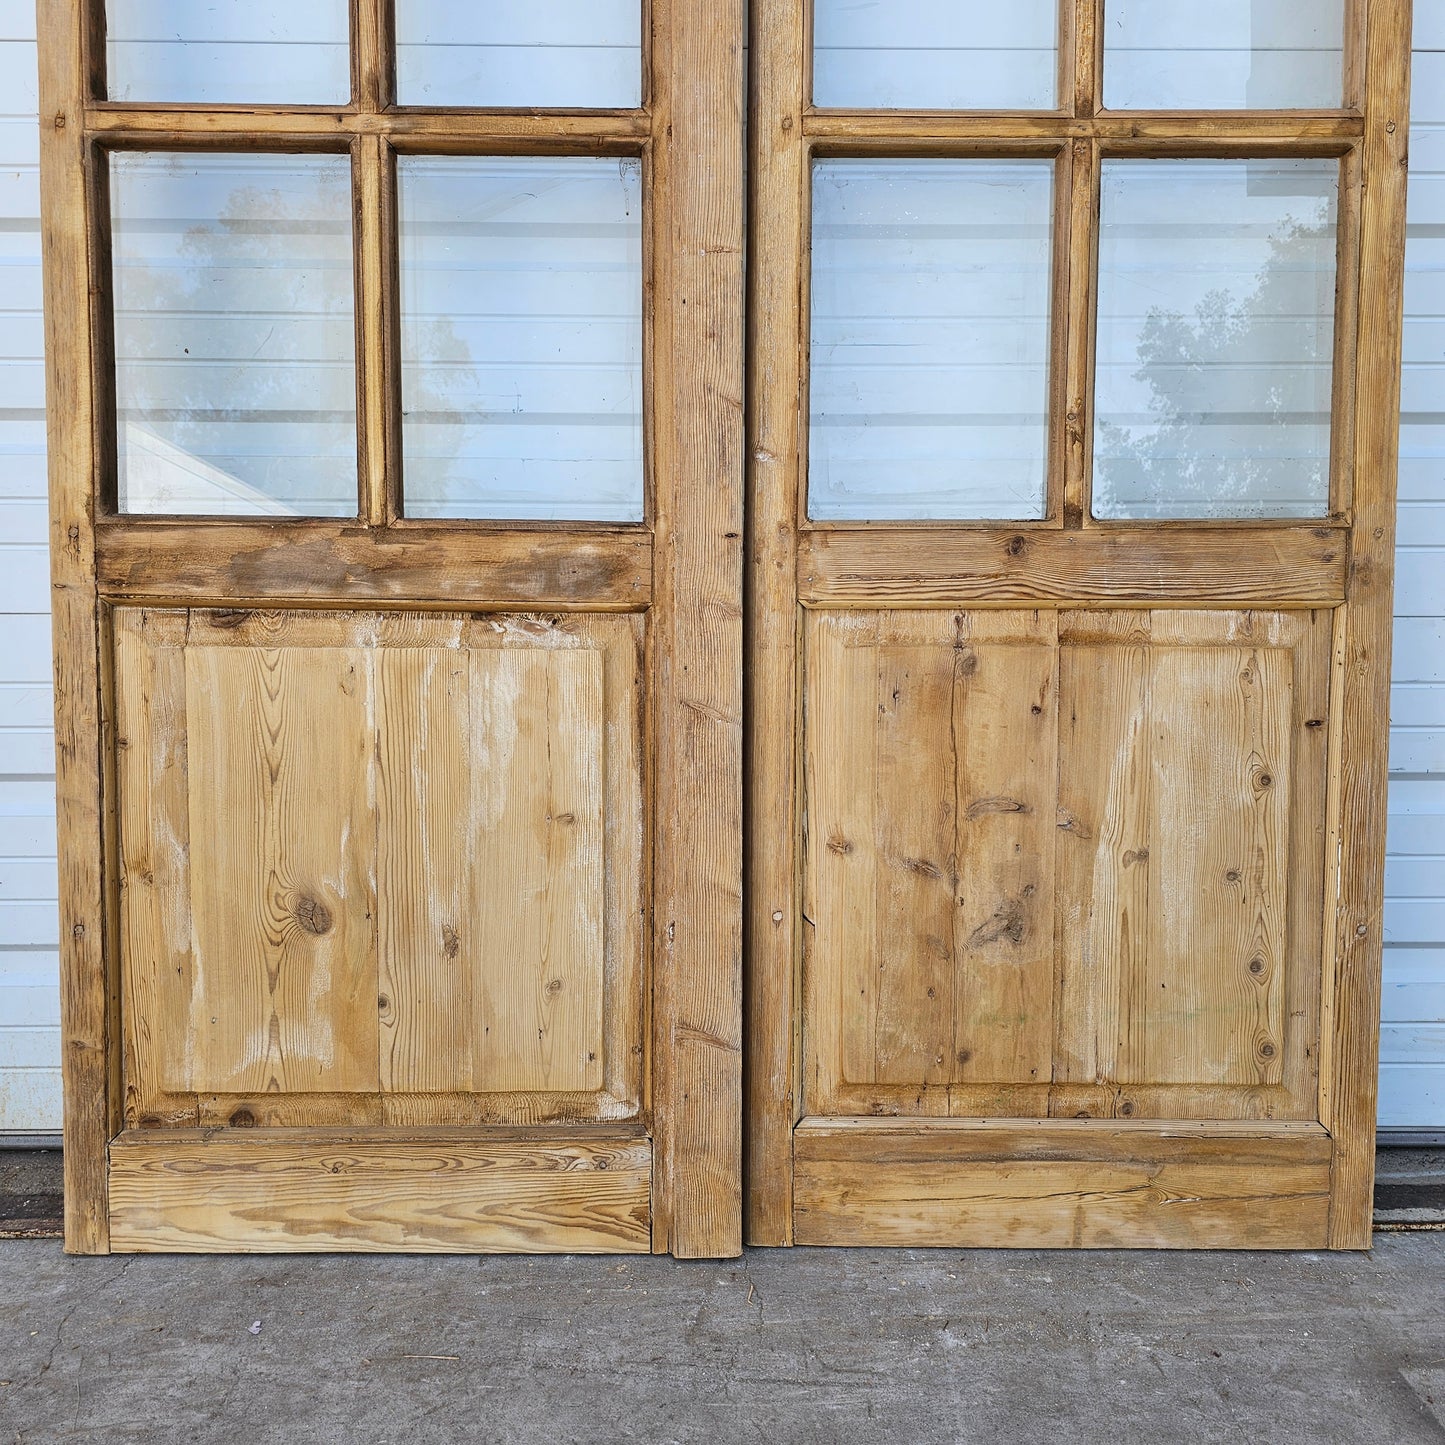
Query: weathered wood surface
[(1063, 1184), (1362, 760), (90, 1052), (1065, 862), (697, 103), (326, 562), (281, 1192), (386, 854), (1204, 566)]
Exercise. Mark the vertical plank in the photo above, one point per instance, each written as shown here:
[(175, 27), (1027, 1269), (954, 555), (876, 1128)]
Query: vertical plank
[(1362, 764), (283, 893), (842, 973), (430, 934), (1005, 727), (1210, 997), (1104, 828), (697, 153), (777, 178), (538, 888), (91, 1108), (154, 827), (914, 785)]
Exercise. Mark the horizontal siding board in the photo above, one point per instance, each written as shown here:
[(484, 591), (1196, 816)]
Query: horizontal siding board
[(30, 1099)]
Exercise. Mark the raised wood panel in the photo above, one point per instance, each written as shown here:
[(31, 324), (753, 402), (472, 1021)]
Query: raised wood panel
[(370, 857), (282, 837), (278, 1193), (1065, 864), (1044, 1184)]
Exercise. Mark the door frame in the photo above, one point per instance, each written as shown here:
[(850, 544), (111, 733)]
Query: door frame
[(685, 568), (1345, 562)]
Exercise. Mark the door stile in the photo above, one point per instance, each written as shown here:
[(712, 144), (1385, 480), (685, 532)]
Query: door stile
[(777, 252), (698, 99), (1363, 761), (67, 55)]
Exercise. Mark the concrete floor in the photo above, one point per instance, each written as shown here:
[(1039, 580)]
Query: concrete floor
[(901, 1347)]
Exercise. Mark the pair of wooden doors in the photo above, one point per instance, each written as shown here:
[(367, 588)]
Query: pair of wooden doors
[(972, 802)]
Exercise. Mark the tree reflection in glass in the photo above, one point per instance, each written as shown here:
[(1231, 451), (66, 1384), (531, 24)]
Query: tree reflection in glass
[(1215, 338)]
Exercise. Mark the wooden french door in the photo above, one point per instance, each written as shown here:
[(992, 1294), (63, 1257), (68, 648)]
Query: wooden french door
[(1075, 366), (395, 356)]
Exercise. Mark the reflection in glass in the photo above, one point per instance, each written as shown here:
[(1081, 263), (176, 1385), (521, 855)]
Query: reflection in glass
[(573, 54), (282, 52), (234, 334), (521, 294), (1215, 338), (1224, 55), (930, 339), (935, 54)]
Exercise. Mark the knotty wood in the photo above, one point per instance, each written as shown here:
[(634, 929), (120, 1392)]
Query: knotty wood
[(940, 566), (88, 1042), (697, 375), (1175, 971), (1363, 761), (282, 1193), (282, 896), (576, 568), (505, 953)]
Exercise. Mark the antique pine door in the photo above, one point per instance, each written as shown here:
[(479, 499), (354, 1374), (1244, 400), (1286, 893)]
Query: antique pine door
[(395, 368), (1075, 349)]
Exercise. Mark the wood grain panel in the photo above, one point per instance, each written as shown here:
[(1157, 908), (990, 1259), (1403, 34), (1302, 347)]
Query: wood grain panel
[(930, 861), (942, 567), (946, 1184), (1102, 924), (277, 1193), (200, 561), (1005, 740), (538, 887), (425, 904), (1094, 838), (491, 864), (280, 744), (1209, 998), (429, 932)]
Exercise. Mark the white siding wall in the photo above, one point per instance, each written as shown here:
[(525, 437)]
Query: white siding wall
[(1413, 1065), (1412, 1045), (29, 995)]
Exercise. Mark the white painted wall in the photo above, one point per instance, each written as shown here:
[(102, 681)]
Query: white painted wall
[(1413, 1041), (1412, 1044), (29, 993)]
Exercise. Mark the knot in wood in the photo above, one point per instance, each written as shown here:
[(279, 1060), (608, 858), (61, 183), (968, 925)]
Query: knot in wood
[(313, 915)]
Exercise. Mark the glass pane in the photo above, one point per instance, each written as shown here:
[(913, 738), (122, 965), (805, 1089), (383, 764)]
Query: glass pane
[(521, 330), (935, 54), (235, 373), (1226, 55), (1216, 338), (930, 339), (574, 54), (284, 52)]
